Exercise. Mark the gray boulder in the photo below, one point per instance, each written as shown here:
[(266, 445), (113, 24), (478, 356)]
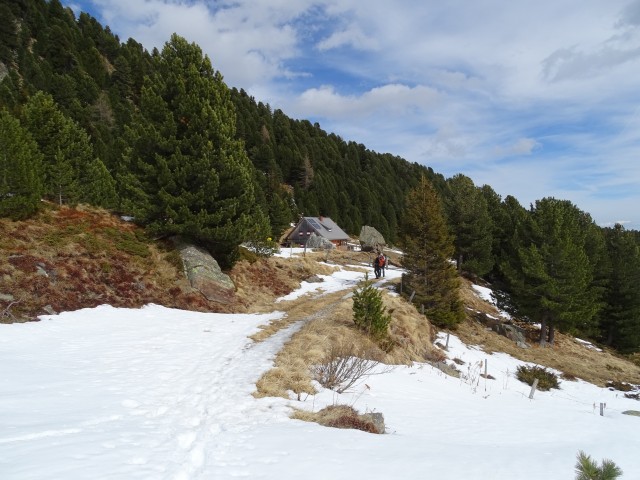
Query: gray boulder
[(205, 274), (371, 239), (316, 241), (512, 332)]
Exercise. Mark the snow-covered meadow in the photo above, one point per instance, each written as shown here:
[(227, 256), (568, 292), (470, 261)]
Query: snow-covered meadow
[(156, 393)]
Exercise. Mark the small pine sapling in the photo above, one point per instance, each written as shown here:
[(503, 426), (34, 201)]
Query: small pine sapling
[(369, 314), (588, 469)]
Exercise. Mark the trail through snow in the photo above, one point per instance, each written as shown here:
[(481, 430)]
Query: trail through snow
[(171, 408)]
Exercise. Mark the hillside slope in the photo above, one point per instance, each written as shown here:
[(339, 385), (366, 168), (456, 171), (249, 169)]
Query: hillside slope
[(70, 258)]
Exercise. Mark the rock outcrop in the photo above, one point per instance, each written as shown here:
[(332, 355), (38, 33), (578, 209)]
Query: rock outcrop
[(204, 273)]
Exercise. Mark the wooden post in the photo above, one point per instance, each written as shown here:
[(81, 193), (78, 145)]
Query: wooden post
[(485, 367), (446, 345), (422, 308), (602, 405), (533, 387), (412, 295)]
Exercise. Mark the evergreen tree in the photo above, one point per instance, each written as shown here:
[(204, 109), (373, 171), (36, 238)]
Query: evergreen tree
[(185, 172), (66, 147), (620, 318), (550, 275), (98, 186), (369, 313), (428, 248), (469, 220), (500, 225), (8, 34), (20, 170)]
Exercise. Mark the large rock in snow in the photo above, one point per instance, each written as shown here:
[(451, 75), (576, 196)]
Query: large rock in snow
[(205, 274), (371, 239)]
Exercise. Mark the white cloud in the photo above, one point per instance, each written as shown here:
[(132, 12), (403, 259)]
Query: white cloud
[(523, 146), (353, 37), (388, 99)]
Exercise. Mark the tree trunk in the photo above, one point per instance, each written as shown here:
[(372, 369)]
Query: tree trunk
[(543, 331), (552, 332)]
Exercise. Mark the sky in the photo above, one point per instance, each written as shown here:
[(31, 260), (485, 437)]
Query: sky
[(157, 393), (536, 99)]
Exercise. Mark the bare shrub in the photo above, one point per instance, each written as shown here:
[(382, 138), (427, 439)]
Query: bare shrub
[(343, 368)]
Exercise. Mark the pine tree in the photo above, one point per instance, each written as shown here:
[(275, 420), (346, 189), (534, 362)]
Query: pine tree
[(8, 34), (428, 248), (184, 171), (369, 313), (20, 170), (66, 147), (550, 274), (98, 186), (469, 220), (620, 318)]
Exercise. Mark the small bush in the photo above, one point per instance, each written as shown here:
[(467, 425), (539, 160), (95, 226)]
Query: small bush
[(546, 379), (343, 368), (246, 254), (621, 386)]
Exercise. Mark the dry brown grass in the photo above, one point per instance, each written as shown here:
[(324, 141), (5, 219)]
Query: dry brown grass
[(259, 283), (411, 337), (337, 416), (90, 257), (566, 355)]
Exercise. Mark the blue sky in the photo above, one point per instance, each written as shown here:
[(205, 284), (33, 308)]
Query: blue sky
[(534, 99)]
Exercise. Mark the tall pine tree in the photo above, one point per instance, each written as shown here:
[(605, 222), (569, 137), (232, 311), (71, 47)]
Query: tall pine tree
[(428, 248), (184, 171), (551, 274), (469, 220)]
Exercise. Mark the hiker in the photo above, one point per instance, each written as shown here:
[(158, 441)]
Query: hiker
[(376, 266), (382, 261)]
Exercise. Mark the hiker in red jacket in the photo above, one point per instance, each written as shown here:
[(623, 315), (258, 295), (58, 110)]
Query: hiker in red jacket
[(382, 262)]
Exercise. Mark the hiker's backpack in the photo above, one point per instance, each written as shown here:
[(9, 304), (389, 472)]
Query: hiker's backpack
[(381, 260)]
